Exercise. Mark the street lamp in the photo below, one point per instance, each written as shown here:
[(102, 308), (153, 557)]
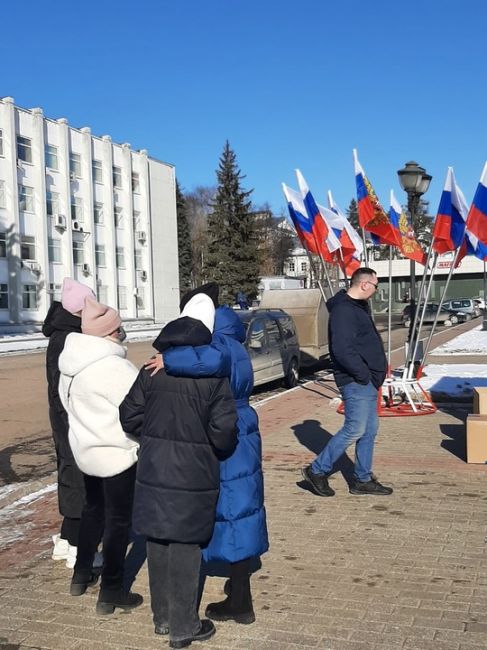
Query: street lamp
[(415, 182)]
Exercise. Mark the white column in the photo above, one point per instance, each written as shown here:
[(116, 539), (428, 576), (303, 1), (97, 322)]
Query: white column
[(146, 204), (65, 197), (89, 223), (111, 270), (129, 211), (38, 159)]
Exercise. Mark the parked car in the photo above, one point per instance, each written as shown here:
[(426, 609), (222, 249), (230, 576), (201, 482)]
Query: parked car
[(272, 344), (480, 302), (381, 313), (465, 306), (445, 317)]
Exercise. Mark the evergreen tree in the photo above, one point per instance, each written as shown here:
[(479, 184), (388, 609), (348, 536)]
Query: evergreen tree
[(232, 259), (352, 214), (184, 243)]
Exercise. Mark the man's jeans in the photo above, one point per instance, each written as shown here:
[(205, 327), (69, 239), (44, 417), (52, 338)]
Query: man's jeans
[(174, 574), (360, 427)]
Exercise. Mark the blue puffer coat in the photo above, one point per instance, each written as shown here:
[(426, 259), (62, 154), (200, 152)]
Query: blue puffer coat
[(240, 528)]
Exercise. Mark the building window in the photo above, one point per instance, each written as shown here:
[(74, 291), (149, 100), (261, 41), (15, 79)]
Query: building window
[(120, 257), (98, 212), (2, 195), (304, 267), (78, 253), (52, 204), (117, 177), (29, 296), (54, 250), (24, 149), (3, 296), (122, 297), (27, 247), (140, 297), (26, 198), (292, 267), (102, 293), (135, 183), (1, 143), (138, 260), (100, 259), (51, 157), (118, 214), (77, 208), (75, 164), (55, 292), (3, 244), (97, 171)]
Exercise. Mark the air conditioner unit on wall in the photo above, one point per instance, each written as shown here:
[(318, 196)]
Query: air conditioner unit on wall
[(142, 235), (143, 275), (86, 269), (61, 221), (72, 176), (35, 268), (77, 226), (139, 291)]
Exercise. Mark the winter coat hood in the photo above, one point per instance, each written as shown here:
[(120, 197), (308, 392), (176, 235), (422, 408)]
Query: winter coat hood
[(59, 319), (229, 324), (83, 350)]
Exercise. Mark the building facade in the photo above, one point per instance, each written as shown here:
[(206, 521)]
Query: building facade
[(78, 205)]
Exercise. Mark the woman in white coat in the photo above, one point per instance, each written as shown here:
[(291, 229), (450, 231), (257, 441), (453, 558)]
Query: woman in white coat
[(95, 377)]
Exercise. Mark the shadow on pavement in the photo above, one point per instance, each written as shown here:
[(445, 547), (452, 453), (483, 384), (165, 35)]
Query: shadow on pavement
[(311, 435), (456, 444)]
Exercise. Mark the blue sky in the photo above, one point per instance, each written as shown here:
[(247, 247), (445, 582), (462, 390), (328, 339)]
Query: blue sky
[(290, 84)]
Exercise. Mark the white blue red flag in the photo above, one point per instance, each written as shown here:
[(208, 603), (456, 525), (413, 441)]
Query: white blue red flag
[(351, 246), (300, 221), (449, 228), (477, 217), (325, 237), (408, 244)]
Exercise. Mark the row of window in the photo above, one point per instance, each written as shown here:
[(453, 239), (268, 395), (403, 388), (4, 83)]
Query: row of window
[(28, 252), (26, 204), (30, 297), (304, 267), (24, 152)]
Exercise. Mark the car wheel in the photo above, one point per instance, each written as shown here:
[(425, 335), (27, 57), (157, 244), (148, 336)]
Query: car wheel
[(407, 322), (292, 375), (454, 319), (448, 323)]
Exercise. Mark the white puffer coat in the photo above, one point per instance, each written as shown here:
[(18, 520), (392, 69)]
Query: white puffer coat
[(95, 377)]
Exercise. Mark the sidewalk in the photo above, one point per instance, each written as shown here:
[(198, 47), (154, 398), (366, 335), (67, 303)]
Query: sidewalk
[(346, 573)]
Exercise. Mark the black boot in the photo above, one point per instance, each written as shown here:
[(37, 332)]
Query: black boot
[(206, 631), (109, 599), (238, 604), (81, 581)]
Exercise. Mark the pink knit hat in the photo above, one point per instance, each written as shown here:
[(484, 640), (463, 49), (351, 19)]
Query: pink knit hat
[(98, 319), (74, 294)]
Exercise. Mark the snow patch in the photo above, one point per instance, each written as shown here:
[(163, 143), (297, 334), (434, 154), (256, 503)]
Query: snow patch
[(471, 343), (454, 379)]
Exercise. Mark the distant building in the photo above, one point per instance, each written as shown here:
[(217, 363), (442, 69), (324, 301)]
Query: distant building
[(74, 204)]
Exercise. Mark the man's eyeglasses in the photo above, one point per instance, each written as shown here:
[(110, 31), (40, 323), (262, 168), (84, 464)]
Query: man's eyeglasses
[(374, 284)]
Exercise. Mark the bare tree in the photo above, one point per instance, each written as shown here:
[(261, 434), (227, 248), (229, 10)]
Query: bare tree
[(198, 206)]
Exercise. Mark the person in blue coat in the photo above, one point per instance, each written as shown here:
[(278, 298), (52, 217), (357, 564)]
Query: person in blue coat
[(240, 533)]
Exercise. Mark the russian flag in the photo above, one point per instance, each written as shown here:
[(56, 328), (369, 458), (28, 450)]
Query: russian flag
[(449, 228), (477, 215), (300, 221), (325, 237), (350, 242), (371, 214), (409, 245)]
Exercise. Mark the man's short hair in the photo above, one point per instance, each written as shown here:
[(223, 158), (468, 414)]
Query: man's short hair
[(359, 275)]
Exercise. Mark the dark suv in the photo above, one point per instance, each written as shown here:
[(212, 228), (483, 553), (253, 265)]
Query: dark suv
[(272, 344)]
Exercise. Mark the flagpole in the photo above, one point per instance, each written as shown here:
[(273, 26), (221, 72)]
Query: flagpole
[(389, 323), (442, 299), (414, 317), (364, 240)]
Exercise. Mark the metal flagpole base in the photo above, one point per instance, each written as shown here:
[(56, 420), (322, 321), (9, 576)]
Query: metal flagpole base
[(402, 398)]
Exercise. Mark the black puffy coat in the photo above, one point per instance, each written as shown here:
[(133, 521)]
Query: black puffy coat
[(185, 426), (356, 348), (71, 493)]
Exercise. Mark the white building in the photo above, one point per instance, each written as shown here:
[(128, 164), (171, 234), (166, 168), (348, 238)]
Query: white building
[(78, 205)]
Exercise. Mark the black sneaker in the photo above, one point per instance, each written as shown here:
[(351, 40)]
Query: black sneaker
[(372, 487), (319, 482), (81, 582), (161, 628), (206, 631)]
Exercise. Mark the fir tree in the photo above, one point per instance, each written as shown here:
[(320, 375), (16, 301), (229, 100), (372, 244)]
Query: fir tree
[(232, 259), (352, 214), (184, 243)]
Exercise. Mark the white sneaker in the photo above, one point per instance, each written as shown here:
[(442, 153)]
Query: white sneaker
[(71, 556), (61, 546)]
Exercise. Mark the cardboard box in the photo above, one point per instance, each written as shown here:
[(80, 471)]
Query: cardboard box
[(476, 439), (480, 400)]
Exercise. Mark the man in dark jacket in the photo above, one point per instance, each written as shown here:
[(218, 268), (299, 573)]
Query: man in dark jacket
[(185, 426), (62, 319), (359, 366)]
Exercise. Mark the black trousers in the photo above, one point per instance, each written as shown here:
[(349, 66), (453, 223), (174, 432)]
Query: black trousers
[(70, 530), (107, 513), (173, 579)]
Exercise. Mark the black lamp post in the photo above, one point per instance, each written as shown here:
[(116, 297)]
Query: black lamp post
[(415, 182)]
